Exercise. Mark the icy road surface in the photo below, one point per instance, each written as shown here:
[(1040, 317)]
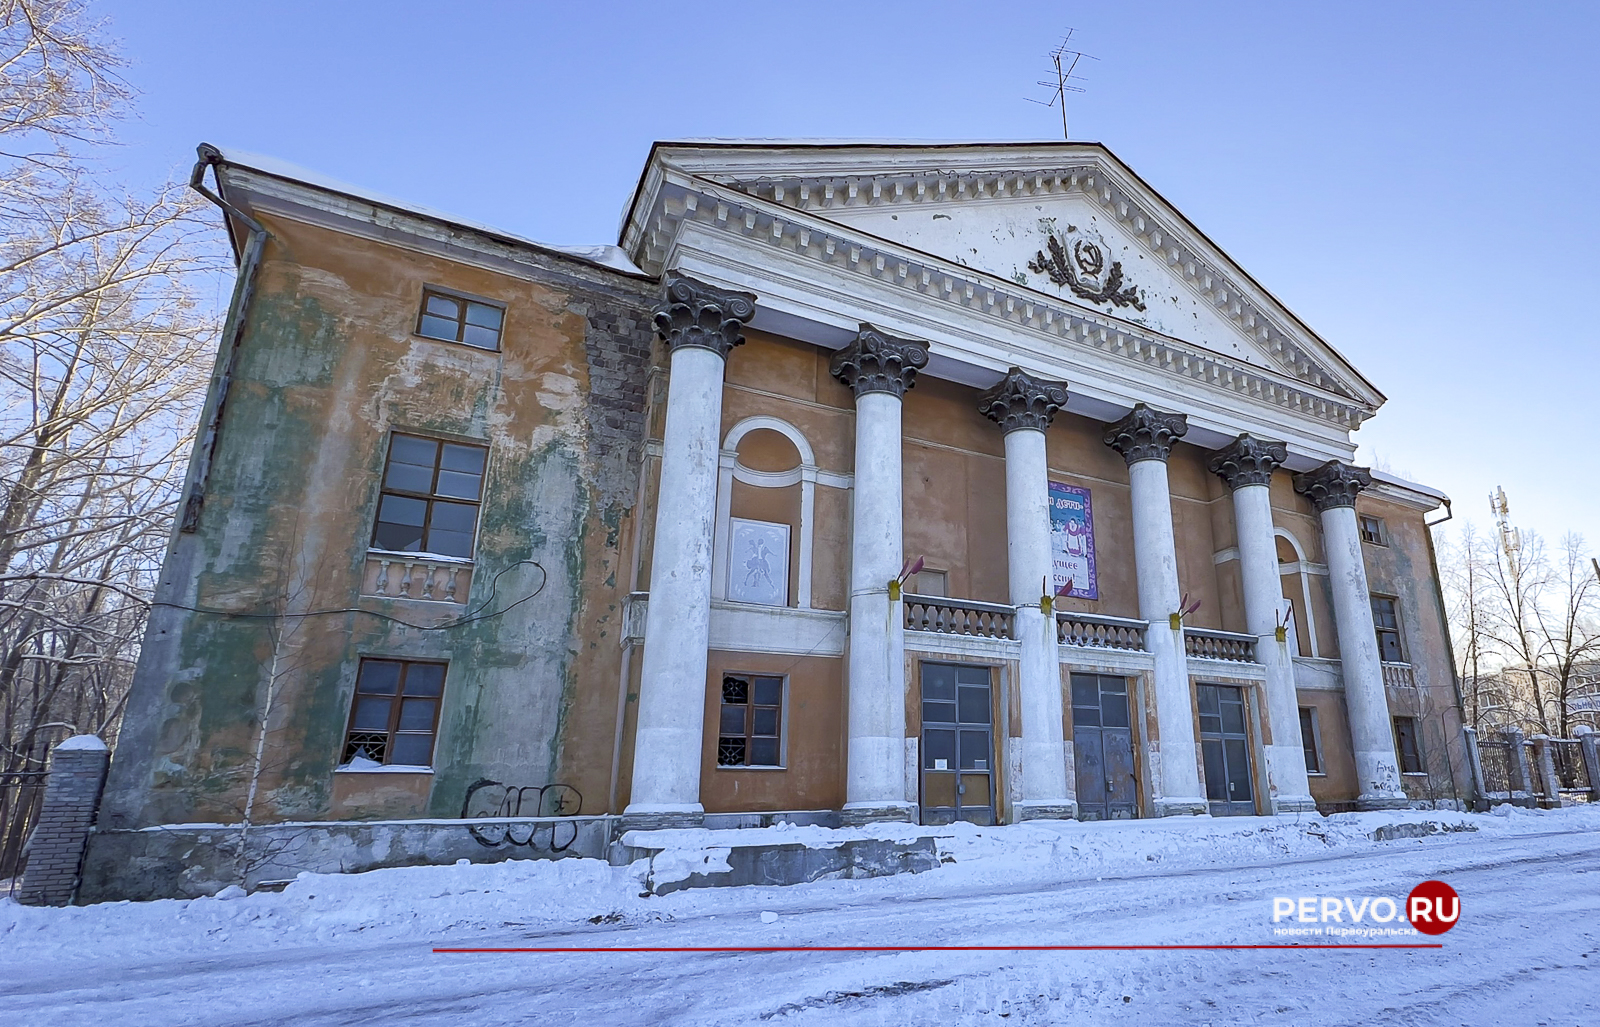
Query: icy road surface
[(357, 950)]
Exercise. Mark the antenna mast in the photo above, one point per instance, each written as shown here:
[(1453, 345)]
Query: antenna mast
[(1064, 61)]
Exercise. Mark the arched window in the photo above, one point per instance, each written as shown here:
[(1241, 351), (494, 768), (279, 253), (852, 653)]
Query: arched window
[(771, 466), (1292, 563)]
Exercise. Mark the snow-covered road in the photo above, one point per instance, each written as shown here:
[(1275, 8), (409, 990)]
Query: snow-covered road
[(1525, 951)]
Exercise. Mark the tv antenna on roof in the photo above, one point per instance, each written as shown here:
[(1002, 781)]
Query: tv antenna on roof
[(1065, 60)]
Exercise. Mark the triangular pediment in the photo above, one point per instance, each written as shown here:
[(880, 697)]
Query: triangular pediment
[(1067, 221)]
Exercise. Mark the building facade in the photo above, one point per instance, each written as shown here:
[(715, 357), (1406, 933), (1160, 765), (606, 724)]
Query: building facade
[(859, 482)]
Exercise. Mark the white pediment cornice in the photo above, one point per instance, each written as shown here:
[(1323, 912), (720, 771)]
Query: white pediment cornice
[(836, 183), (789, 243)]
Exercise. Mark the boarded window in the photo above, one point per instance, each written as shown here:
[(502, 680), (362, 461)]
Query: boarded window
[(460, 319), (395, 714), (750, 725), (429, 502), (1406, 744)]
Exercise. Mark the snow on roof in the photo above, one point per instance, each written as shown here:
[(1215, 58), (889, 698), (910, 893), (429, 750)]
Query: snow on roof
[(1394, 479), (607, 256)]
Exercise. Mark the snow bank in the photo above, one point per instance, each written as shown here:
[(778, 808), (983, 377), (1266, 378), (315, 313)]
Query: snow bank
[(464, 901)]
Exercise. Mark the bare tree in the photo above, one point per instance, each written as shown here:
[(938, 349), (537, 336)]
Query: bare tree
[(1570, 629), (105, 335)]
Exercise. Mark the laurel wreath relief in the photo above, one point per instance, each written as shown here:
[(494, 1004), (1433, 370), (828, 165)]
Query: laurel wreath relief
[(1059, 267)]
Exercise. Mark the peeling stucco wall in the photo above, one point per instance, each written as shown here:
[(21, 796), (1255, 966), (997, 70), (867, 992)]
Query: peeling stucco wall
[(328, 367)]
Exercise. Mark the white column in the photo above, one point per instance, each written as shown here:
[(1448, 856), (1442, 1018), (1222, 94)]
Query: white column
[(1145, 438), (1023, 407), (1332, 490), (1246, 467), (699, 325), (879, 368)]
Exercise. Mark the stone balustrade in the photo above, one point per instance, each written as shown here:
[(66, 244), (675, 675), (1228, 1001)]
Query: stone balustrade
[(959, 617), (1093, 631), (1398, 675), (1208, 644), (427, 578)]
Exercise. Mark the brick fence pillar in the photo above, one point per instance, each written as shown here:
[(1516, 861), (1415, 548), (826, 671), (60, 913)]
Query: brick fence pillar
[(71, 797), (1589, 746)]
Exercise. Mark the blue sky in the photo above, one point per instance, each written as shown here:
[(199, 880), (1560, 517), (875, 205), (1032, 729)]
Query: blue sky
[(1416, 180)]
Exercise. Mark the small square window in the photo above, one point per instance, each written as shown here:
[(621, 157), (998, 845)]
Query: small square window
[(931, 583), (750, 724), (394, 715), (460, 319), (1373, 530)]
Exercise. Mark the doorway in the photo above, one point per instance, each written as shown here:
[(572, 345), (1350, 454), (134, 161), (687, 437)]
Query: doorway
[(1102, 748), (957, 744), (1225, 747)]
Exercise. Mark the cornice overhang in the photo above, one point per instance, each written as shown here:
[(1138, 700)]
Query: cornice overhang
[(835, 178), (803, 264)]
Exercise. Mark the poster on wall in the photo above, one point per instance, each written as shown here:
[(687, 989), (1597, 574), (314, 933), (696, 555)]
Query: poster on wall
[(1072, 541), (758, 562)]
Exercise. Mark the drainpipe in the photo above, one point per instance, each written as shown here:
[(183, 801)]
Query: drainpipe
[(232, 332), (1450, 650)]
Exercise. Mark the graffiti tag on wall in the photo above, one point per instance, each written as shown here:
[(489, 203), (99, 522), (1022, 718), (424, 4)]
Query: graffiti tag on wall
[(486, 798)]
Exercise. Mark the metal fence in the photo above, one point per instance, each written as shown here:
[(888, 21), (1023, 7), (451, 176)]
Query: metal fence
[(21, 795), (1496, 760), (1572, 775)]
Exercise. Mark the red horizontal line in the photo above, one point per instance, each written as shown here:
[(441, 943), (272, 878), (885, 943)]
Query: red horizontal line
[(944, 948)]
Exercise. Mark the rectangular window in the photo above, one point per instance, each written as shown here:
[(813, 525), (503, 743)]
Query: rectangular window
[(750, 726), (1406, 744), (931, 583), (459, 319), (395, 713), (429, 502), (1387, 621), (1310, 740), (1372, 530)]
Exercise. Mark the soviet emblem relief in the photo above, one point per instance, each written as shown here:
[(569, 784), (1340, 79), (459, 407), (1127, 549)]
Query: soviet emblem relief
[(1078, 261)]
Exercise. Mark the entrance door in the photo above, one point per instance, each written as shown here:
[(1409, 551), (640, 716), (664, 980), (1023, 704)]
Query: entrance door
[(1102, 748), (957, 745), (1226, 748)]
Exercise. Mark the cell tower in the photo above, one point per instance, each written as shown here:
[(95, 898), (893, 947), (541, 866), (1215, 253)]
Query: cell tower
[(1064, 61), (1510, 538)]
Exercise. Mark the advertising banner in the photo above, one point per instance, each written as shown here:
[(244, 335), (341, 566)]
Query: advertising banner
[(1072, 541)]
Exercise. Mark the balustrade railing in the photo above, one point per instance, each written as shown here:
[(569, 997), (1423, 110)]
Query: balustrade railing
[(414, 576), (1207, 644), (1098, 632), (1399, 675), (958, 617)]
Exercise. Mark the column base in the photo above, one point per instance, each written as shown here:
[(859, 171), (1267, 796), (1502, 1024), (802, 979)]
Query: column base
[(657, 818), (1045, 810), (1294, 804), (1376, 803), (1181, 807), (859, 814)]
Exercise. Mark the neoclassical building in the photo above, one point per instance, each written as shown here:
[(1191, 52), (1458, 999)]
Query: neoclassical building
[(858, 482)]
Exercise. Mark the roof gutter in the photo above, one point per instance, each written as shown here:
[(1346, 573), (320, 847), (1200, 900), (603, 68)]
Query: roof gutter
[(249, 260)]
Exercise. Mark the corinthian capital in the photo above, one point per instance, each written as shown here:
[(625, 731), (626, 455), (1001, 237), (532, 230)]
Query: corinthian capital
[(1022, 401), (1146, 434), (1248, 461), (879, 362), (693, 313), (1333, 484)]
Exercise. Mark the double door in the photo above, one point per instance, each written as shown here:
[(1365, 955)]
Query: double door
[(1225, 748), (1102, 748), (957, 744)]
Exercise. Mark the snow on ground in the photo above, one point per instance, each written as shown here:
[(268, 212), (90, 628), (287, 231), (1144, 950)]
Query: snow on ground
[(357, 949)]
